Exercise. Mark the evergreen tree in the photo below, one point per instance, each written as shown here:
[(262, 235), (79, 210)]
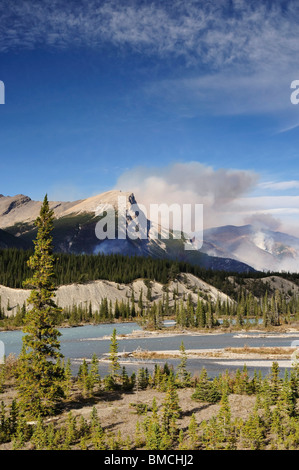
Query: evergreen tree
[(171, 407), (253, 432), (111, 380), (288, 396), (67, 378), (114, 364), (153, 431), (83, 378), (93, 375), (275, 382), (125, 381), (183, 376), (200, 315), (205, 389), (40, 375), (39, 436), (193, 433), (225, 424)]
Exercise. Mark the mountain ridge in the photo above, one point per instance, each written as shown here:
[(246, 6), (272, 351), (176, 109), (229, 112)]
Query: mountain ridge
[(262, 248), (22, 209), (74, 231)]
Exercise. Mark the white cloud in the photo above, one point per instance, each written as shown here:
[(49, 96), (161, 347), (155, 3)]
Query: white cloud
[(280, 185), (242, 54), (225, 93), (217, 33)]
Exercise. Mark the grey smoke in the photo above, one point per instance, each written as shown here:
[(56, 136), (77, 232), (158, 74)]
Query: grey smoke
[(190, 183), (263, 221)]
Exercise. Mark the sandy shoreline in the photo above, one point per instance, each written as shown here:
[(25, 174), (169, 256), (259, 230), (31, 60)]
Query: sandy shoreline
[(221, 353), (144, 334), (257, 357), (253, 357)]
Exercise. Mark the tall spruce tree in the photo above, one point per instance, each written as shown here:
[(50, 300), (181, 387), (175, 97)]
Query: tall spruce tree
[(40, 374), (183, 376)]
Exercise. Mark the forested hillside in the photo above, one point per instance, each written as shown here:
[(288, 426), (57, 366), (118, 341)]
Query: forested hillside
[(71, 268)]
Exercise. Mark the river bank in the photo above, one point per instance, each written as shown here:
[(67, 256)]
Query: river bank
[(205, 348), (274, 332)]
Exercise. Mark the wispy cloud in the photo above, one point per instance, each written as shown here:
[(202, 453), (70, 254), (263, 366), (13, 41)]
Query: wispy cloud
[(216, 33), (231, 57), (237, 91), (280, 185), (289, 128)]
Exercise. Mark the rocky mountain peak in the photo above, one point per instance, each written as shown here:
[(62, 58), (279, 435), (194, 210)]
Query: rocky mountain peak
[(132, 199), (10, 203)]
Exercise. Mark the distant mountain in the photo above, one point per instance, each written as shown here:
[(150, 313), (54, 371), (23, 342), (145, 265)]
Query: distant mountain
[(74, 231), (263, 249)]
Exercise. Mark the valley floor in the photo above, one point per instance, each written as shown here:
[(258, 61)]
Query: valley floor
[(117, 414)]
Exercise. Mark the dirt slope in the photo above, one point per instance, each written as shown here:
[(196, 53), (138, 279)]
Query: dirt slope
[(96, 291)]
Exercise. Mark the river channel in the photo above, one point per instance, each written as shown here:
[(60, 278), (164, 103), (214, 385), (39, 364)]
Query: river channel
[(82, 342)]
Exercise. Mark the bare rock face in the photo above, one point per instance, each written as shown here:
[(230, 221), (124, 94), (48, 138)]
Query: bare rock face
[(132, 199), (21, 209), (11, 203), (17, 209)]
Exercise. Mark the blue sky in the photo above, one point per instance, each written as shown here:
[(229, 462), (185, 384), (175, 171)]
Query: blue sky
[(170, 99)]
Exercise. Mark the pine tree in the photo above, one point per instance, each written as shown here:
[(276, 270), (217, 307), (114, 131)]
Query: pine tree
[(288, 396), (112, 378), (114, 364), (125, 381), (171, 407), (183, 376), (39, 436), (83, 378), (140, 301), (205, 389), (193, 433), (253, 432), (200, 315), (142, 378), (97, 432), (275, 382), (153, 433), (40, 375), (67, 378), (93, 375), (139, 436), (224, 422)]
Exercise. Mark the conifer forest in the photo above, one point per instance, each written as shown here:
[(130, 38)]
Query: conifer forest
[(46, 406)]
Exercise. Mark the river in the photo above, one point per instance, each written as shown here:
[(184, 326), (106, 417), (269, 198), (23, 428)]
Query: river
[(82, 342)]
